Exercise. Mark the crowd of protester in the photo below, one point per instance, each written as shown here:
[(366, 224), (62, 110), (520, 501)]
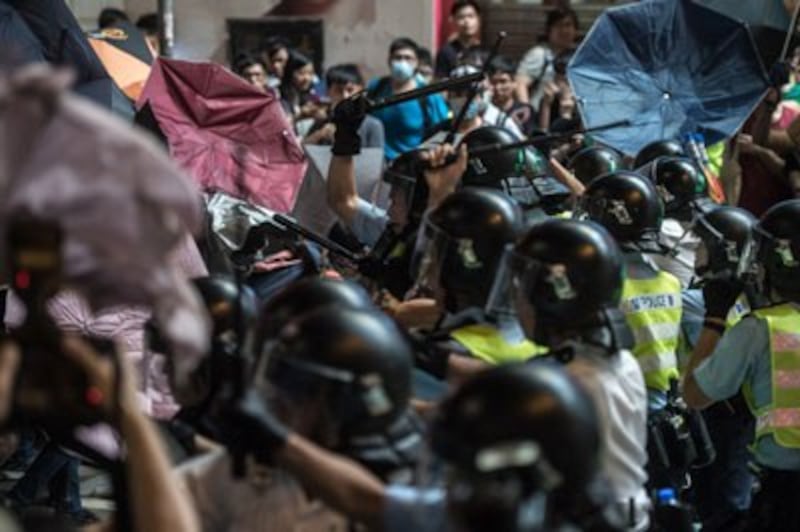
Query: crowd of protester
[(553, 338)]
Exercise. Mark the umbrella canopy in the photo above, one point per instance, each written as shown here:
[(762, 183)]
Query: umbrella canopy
[(19, 44), (671, 68), (769, 22), (229, 135), (46, 30), (126, 56), (121, 204)]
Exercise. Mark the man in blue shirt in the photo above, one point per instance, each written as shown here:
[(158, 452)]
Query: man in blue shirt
[(761, 356), (407, 124)]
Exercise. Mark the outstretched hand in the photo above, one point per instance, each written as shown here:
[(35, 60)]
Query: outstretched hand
[(443, 176)]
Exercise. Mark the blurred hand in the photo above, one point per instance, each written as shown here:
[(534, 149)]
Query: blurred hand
[(442, 178), (744, 143), (550, 90), (112, 397), (9, 364)]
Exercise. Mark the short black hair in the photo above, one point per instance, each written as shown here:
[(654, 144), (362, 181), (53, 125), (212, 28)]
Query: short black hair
[(111, 16), (557, 15), (502, 65), (404, 43), (458, 5), (149, 24), (344, 74), (424, 56), (245, 61), (274, 44)]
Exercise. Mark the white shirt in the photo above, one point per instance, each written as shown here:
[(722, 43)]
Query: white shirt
[(616, 385), (684, 245), (265, 500)]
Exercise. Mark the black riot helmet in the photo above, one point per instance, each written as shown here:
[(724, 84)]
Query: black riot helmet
[(567, 274), (406, 172), (778, 243), (726, 236), (594, 161), (681, 186), (521, 173), (488, 169), (513, 436), (659, 148), (355, 364), (307, 295), (233, 315), (460, 245), (628, 205)]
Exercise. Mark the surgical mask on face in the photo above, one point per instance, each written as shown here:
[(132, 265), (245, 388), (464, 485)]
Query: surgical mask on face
[(402, 70), (457, 103)]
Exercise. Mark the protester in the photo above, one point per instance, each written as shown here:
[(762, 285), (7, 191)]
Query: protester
[(110, 17), (252, 70), (465, 15), (557, 103), (425, 67), (538, 66), (344, 81), (504, 97), (299, 99), (275, 54), (406, 125), (151, 27)]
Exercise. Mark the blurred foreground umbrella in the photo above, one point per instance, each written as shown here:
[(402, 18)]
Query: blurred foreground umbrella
[(121, 204), (126, 56), (770, 23), (230, 136), (46, 30), (671, 67)]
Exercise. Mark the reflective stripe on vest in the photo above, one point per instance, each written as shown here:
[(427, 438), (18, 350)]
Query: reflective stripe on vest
[(781, 418), (487, 343), (739, 310), (652, 309)]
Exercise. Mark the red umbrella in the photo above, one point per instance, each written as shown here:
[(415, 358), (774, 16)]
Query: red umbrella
[(229, 135)]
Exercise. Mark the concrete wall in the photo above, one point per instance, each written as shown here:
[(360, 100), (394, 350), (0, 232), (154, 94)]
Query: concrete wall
[(355, 30)]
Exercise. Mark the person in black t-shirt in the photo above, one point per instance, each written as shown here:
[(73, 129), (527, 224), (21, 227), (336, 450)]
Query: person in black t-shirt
[(466, 15), (501, 76)]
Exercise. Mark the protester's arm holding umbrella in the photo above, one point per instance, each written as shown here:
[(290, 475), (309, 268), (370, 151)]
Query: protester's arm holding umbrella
[(341, 186)]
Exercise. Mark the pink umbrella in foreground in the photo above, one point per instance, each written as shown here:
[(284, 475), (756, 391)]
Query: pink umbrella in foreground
[(120, 203), (230, 136)]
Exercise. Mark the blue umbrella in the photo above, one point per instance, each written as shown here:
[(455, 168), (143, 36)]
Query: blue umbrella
[(769, 21), (670, 67)]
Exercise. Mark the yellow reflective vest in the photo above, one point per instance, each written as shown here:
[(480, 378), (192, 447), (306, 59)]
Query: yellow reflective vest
[(487, 343), (781, 418), (652, 308)]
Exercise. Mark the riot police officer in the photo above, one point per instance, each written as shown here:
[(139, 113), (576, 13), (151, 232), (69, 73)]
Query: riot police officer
[(567, 278), (628, 205), (457, 258), (593, 161), (759, 355), (521, 445), (722, 489)]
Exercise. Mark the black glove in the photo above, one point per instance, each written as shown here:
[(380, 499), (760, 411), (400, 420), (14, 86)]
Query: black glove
[(250, 427), (348, 116), (430, 357), (720, 295)]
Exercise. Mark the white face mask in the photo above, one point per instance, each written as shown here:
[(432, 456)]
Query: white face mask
[(402, 70)]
